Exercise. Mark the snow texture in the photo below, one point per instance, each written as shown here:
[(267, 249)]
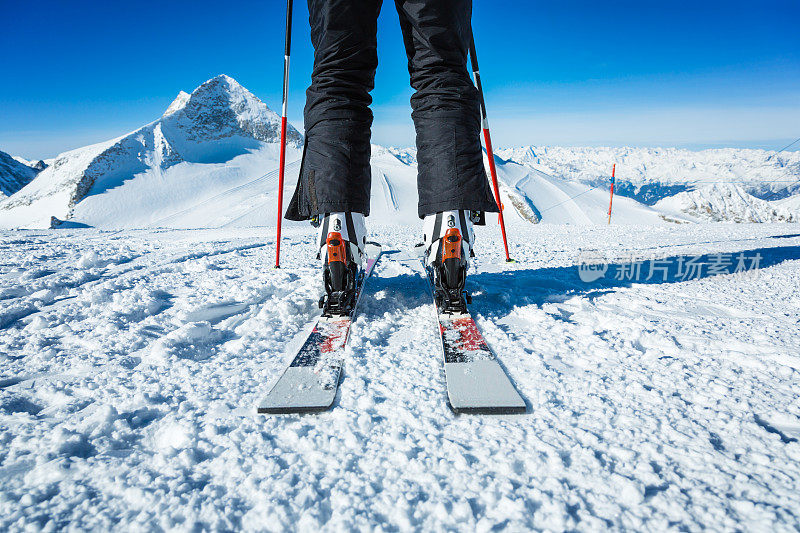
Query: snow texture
[(132, 362)]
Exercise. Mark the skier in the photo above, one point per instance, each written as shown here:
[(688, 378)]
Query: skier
[(333, 190)]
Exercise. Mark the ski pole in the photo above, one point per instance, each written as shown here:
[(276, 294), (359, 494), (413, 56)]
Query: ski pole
[(282, 160), (488, 141), (611, 198)]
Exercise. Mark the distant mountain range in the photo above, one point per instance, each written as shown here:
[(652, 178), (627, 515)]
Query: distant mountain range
[(734, 185), (211, 160), (727, 203), (651, 174), (15, 173)]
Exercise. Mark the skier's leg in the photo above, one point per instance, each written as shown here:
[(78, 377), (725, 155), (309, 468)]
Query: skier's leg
[(335, 173), (446, 106), (453, 189)]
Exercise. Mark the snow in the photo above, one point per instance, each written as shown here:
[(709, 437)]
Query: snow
[(179, 103), (22, 160), (35, 164), (133, 361), (198, 134), (551, 199), (791, 203), (659, 361), (51, 193), (650, 174), (211, 161), (721, 202)]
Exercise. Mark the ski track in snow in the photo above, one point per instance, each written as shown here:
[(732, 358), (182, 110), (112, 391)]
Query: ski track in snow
[(132, 362)]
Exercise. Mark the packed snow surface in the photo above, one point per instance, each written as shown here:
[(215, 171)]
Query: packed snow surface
[(132, 362)]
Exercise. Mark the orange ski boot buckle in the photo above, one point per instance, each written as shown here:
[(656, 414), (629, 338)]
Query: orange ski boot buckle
[(336, 248), (452, 244)]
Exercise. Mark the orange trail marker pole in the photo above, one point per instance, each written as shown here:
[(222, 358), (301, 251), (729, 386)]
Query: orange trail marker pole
[(611, 198)]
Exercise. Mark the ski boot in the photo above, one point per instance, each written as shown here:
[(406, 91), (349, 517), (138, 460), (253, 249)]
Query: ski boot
[(342, 237), (448, 239)]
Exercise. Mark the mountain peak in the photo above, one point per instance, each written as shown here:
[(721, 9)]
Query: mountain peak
[(177, 104), (221, 84), (223, 78), (220, 88), (221, 108), (721, 202)]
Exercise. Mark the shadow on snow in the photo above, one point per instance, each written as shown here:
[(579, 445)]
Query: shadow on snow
[(536, 286)]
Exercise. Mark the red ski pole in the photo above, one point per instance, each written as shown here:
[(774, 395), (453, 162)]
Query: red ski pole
[(611, 198), (488, 141), (282, 160)]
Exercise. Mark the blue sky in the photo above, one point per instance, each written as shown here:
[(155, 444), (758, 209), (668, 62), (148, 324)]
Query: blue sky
[(691, 74)]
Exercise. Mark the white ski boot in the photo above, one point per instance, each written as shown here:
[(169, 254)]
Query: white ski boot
[(342, 238), (448, 248)]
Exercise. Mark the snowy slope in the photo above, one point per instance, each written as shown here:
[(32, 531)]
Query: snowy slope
[(14, 174), (252, 200), (166, 164), (131, 366), (561, 201), (529, 197), (728, 202), (394, 185), (791, 203)]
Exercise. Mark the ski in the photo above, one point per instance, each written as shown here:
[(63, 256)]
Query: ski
[(476, 382), (311, 380)]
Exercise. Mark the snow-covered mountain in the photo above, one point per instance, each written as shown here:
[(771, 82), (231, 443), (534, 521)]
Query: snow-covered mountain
[(727, 203), (792, 203), (651, 174), (37, 164), (728, 184), (14, 174), (541, 197), (211, 161), (170, 162)]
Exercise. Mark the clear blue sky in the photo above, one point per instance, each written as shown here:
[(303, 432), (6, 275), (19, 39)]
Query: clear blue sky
[(555, 72)]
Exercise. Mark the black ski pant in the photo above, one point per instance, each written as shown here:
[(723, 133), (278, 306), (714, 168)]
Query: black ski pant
[(335, 172)]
